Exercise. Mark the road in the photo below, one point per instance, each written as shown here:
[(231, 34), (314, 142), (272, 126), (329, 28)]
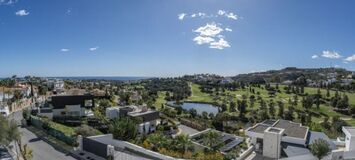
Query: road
[(41, 149)]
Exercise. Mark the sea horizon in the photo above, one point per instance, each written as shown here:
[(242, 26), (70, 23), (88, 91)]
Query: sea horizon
[(120, 78)]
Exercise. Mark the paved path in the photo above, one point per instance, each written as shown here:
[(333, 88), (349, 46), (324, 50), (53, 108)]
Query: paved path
[(41, 149), (187, 130)]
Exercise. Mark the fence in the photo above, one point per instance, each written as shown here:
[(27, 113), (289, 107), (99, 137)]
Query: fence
[(38, 123), (95, 147)]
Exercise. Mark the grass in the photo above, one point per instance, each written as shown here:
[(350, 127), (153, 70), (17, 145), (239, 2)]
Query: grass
[(68, 131), (197, 95), (160, 100)]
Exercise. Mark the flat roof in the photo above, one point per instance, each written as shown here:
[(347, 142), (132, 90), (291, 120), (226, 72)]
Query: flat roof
[(275, 130), (312, 136), (124, 153), (269, 122), (227, 141), (291, 129), (259, 128), (351, 130), (291, 150)]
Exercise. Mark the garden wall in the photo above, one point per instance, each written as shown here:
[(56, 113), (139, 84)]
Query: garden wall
[(38, 123)]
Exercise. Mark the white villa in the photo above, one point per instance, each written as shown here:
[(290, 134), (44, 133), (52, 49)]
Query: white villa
[(150, 118), (282, 139)]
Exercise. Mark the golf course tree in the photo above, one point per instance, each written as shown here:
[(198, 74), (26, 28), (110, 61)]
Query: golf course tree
[(252, 101), (272, 108), (289, 113), (320, 148), (242, 105), (307, 102), (318, 96), (232, 106), (281, 109)]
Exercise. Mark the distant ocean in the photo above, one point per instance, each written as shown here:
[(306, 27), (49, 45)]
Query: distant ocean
[(113, 78)]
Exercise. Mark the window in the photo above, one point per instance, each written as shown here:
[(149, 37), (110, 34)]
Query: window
[(74, 113), (88, 103)]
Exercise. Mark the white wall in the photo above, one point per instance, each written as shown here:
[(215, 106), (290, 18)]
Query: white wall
[(254, 134), (124, 144), (148, 126), (301, 157), (349, 143), (341, 154), (272, 145), (69, 108), (294, 140), (112, 113)]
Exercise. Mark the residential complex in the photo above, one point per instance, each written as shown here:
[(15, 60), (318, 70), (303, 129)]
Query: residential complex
[(149, 119), (282, 139)]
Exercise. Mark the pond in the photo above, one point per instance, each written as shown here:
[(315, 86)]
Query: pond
[(200, 107)]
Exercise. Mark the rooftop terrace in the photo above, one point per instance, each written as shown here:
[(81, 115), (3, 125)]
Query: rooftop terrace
[(350, 130), (292, 129)]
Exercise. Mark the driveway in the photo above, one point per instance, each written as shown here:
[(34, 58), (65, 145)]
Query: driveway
[(187, 130), (41, 150)]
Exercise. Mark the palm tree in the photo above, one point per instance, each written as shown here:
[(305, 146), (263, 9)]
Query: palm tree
[(183, 142), (13, 135), (158, 141), (124, 129), (211, 139), (320, 148), (10, 133)]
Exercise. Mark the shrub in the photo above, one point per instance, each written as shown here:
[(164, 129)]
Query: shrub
[(86, 131)]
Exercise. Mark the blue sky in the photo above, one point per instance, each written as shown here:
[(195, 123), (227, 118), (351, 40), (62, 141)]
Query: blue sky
[(152, 38)]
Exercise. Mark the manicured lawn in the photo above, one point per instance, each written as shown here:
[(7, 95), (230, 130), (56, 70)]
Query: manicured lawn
[(69, 131), (160, 100), (197, 95)]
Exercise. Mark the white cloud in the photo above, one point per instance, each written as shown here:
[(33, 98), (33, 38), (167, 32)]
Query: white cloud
[(314, 56), (7, 2), (64, 50), (210, 30), (228, 29), (350, 59), (232, 16), (181, 16), (68, 11), (201, 14), (93, 48), (22, 13), (220, 36), (221, 12), (203, 40), (331, 54), (221, 44)]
